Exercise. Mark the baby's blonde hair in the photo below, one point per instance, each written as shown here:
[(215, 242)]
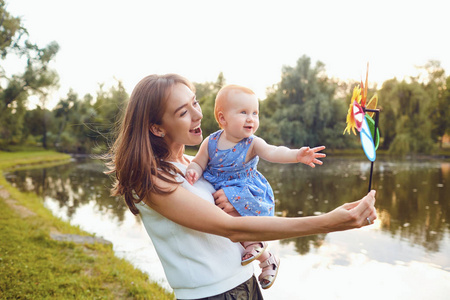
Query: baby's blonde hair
[(223, 96)]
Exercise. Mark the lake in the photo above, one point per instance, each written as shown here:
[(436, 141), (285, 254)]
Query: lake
[(405, 254)]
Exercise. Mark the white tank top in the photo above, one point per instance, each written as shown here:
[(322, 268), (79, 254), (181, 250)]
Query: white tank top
[(196, 264)]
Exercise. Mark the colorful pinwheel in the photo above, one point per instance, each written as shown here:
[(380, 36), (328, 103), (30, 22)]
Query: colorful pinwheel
[(359, 116), (358, 108)]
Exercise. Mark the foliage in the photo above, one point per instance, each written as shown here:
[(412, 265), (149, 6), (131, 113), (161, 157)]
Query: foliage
[(206, 94), (81, 125), (437, 86), (301, 109), (37, 78), (11, 32), (415, 113), (304, 108)]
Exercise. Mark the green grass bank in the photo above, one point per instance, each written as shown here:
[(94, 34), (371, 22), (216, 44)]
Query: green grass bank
[(35, 266)]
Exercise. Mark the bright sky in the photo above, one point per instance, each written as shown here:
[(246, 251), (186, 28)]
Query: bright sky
[(249, 41)]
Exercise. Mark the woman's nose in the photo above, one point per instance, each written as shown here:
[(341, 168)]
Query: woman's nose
[(197, 115)]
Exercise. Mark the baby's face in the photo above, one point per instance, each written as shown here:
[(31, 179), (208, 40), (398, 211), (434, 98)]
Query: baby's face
[(241, 114)]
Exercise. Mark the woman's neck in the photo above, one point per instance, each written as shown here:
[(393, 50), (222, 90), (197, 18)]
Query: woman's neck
[(177, 155)]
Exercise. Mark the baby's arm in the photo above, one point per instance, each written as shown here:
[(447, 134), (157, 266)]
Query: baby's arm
[(195, 169), (282, 154)]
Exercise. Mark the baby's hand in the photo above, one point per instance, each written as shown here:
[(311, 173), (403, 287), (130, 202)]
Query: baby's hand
[(310, 156), (192, 176)]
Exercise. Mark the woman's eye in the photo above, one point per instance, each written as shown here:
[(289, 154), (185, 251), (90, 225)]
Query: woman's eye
[(183, 113)]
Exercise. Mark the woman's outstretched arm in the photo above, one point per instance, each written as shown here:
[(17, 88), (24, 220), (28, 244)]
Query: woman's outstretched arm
[(189, 210)]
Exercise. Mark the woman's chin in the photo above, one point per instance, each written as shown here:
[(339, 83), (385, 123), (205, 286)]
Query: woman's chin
[(196, 139)]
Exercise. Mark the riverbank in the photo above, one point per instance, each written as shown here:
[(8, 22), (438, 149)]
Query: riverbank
[(40, 257)]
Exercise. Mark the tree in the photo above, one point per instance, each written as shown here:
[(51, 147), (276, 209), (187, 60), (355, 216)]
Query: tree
[(36, 79), (301, 109), (74, 118), (11, 32), (206, 94), (387, 120), (436, 85), (38, 126), (268, 129), (415, 112), (405, 121), (108, 107), (61, 112)]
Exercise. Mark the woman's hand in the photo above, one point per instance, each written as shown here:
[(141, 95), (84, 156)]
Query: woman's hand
[(221, 201), (353, 215)]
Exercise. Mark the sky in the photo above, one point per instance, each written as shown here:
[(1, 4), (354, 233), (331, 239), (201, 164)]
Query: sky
[(102, 41)]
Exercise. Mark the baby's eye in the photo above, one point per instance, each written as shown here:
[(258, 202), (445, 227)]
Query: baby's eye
[(255, 113), (243, 112)]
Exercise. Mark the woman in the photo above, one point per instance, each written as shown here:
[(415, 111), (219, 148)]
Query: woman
[(196, 240)]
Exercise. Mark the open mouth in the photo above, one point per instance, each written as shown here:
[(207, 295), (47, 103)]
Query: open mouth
[(196, 130)]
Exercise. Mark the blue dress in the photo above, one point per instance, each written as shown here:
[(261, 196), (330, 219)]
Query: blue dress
[(246, 188)]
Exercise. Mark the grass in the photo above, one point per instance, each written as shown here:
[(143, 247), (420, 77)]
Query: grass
[(34, 266)]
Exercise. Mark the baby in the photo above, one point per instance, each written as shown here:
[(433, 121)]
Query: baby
[(228, 159)]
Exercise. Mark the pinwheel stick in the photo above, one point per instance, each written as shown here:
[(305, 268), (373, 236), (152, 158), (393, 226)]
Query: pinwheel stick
[(377, 112)]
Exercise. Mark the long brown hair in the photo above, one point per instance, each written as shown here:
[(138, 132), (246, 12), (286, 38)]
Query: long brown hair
[(137, 157)]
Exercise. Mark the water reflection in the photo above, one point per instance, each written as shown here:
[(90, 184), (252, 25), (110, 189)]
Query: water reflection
[(72, 186), (413, 200)]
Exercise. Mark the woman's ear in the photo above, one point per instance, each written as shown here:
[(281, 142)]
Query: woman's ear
[(156, 130), (222, 120)]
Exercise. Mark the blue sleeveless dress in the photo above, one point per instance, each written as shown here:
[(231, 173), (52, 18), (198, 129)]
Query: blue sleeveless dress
[(246, 188)]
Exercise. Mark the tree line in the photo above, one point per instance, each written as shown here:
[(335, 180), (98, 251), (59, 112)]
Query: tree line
[(306, 107)]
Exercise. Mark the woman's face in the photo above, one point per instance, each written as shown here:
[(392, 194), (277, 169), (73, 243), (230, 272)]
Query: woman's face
[(182, 118)]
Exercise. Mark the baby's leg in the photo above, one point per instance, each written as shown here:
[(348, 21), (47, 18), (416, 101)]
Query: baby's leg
[(269, 264)]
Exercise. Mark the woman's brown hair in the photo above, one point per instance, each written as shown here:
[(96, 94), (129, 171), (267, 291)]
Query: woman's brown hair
[(137, 157)]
